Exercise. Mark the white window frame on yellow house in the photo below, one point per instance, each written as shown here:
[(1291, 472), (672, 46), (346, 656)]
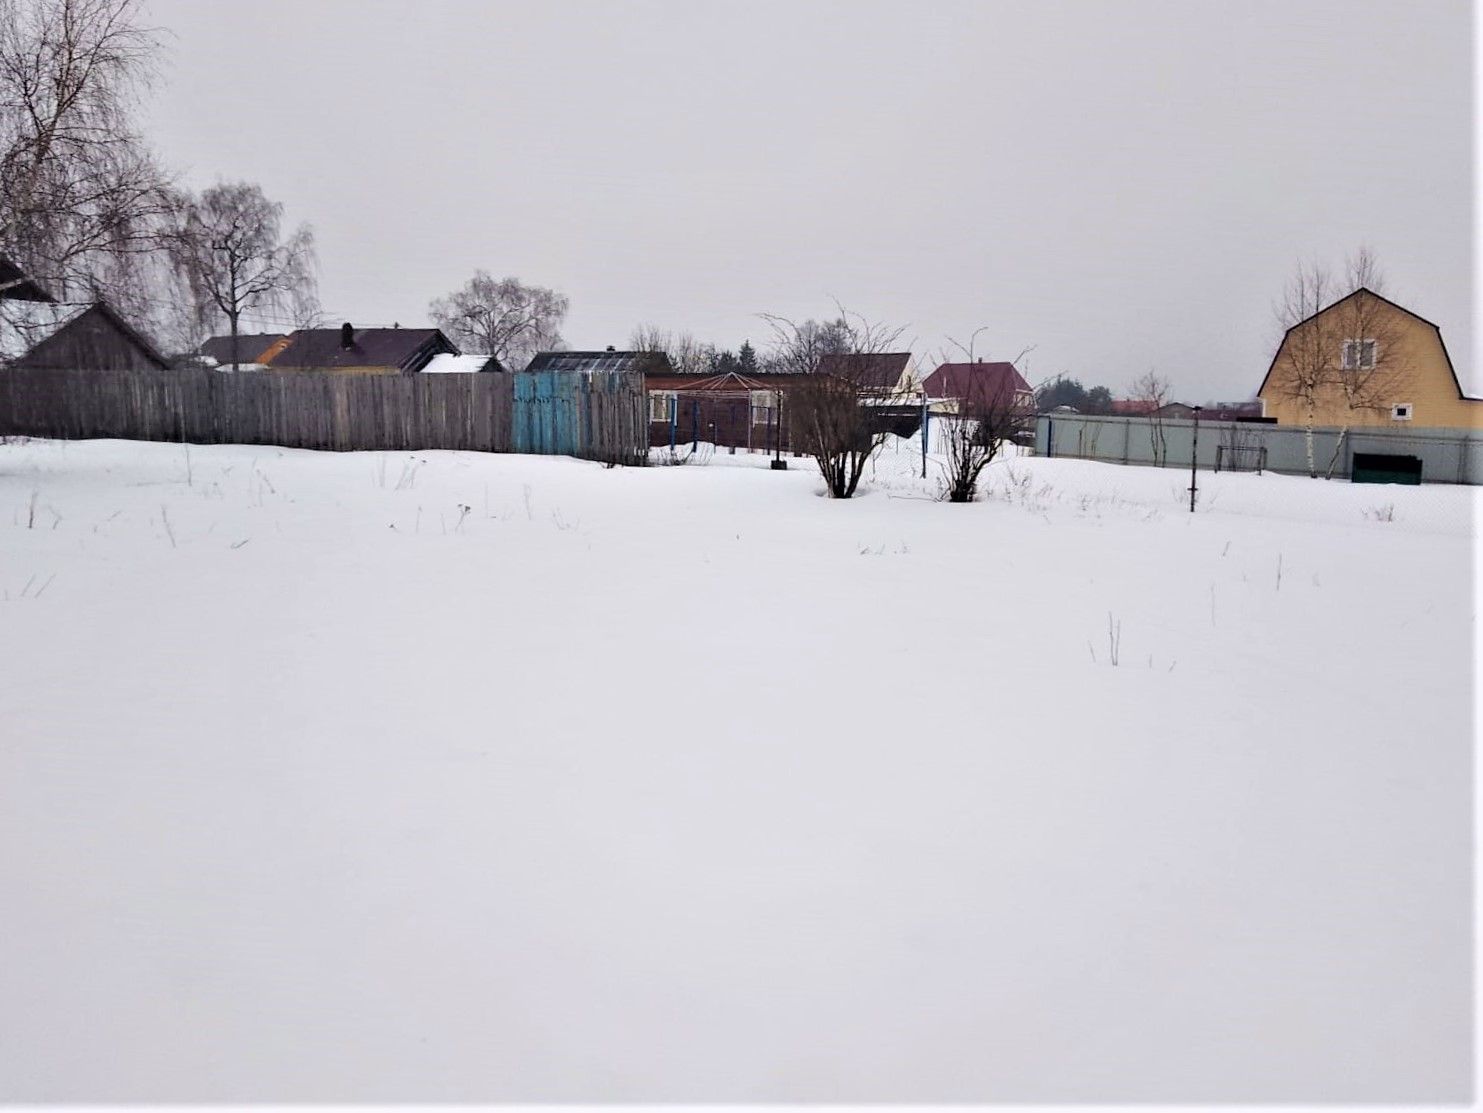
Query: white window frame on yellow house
[(1402, 411), (1351, 362)]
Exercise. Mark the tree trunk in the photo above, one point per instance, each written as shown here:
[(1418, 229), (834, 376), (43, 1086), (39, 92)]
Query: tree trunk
[(234, 317), (1308, 444), (1338, 450)]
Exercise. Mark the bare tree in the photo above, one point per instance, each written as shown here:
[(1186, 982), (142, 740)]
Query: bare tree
[(989, 414), (797, 348), (230, 247), (502, 317), (1152, 390), (832, 412), (687, 355), (1346, 353), (83, 203)]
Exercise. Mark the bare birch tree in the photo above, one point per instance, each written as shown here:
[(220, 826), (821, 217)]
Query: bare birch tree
[(230, 246), (1343, 349), (502, 317), (83, 203)]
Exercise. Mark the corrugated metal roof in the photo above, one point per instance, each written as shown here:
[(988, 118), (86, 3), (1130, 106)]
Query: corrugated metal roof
[(587, 362)]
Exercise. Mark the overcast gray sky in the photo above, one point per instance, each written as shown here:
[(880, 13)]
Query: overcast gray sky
[(1125, 186)]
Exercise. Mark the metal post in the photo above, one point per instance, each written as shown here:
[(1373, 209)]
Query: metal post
[(1194, 457), (778, 463), (924, 432)]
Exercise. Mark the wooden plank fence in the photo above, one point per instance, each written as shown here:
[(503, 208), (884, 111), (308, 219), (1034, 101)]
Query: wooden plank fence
[(601, 417)]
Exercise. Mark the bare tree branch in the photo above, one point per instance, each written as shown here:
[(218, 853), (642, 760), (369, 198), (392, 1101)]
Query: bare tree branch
[(502, 317)]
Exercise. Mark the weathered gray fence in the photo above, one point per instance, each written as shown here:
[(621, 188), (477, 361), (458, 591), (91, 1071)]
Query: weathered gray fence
[(1447, 455), (476, 412)]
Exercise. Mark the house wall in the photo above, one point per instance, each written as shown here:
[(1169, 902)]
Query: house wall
[(1426, 382)]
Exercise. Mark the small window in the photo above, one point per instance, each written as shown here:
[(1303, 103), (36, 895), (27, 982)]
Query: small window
[(1359, 355), (1401, 411), (659, 405), (763, 403)]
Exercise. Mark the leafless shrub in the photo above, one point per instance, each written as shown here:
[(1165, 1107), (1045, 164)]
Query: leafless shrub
[(682, 455), (971, 440), (834, 408)]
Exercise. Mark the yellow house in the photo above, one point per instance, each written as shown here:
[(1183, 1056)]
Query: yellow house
[(1366, 361)]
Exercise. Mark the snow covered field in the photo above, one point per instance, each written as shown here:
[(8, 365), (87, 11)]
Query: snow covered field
[(439, 776)]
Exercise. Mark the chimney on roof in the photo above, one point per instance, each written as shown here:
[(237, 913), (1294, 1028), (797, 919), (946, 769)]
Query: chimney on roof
[(610, 348), (347, 335)]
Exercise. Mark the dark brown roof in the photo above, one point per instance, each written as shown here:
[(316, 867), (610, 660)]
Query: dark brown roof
[(25, 289), (976, 381), (320, 349), (867, 370), (652, 362), (250, 349)]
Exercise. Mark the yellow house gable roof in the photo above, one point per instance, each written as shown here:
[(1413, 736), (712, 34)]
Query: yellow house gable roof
[(1457, 385)]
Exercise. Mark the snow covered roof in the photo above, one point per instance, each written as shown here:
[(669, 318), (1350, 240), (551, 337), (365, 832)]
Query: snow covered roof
[(445, 363)]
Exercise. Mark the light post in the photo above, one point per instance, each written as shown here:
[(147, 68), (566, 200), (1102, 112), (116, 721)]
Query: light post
[(778, 463)]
